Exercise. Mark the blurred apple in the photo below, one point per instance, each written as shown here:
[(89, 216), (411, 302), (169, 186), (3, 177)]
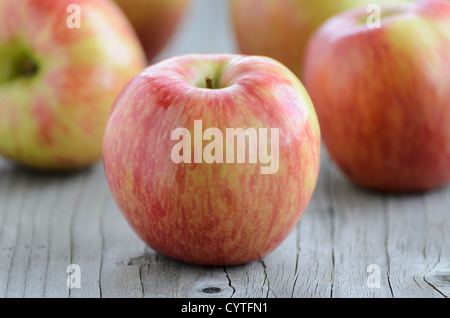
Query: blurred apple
[(155, 21), (382, 95), (281, 28), (62, 64)]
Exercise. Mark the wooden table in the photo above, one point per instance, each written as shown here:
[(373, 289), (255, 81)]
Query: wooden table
[(349, 242)]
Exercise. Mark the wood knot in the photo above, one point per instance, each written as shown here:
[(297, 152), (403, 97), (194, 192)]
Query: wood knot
[(211, 290)]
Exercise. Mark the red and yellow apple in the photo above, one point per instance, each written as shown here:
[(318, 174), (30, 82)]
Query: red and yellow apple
[(382, 95), (211, 201), (155, 21), (281, 28), (58, 80)]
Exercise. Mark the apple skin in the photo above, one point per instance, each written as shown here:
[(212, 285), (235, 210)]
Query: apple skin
[(281, 29), (155, 21), (383, 96), (211, 214), (53, 118)]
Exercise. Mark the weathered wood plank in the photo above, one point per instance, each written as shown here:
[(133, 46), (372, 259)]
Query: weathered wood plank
[(437, 249), (49, 222), (120, 275), (358, 238), (15, 242), (36, 271), (413, 221), (59, 235), (315, 240)]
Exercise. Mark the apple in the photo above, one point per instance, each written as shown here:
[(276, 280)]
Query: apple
[(61, 67), (212, 159), (382, 95), (281, 29), (155, 21)]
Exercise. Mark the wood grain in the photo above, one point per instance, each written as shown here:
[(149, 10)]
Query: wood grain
[(49, 222)]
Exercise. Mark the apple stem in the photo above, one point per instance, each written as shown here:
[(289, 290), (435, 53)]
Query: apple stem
[(29, 68), (209, 82)]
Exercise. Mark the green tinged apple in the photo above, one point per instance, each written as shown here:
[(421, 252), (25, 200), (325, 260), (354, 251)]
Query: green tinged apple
[(382, 95), (281, 28), (58, 79)]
